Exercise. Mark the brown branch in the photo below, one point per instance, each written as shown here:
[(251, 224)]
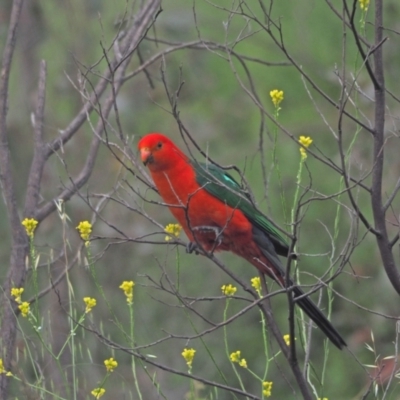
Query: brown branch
[(6, 178), (265, 307), (129, 43), (364, 56), (19, 243), (117, 67), (38, 161), (378, 156)]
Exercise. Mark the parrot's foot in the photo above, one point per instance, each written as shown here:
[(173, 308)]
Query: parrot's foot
[(208, 237), (192, 247)]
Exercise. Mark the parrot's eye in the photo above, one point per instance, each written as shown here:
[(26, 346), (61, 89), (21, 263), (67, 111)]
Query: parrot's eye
[(159, 145)]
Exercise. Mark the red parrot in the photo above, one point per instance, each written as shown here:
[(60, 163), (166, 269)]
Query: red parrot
[(218, 215)]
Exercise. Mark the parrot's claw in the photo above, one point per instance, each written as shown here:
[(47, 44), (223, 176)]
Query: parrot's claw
[(192, 247), (208, 228)]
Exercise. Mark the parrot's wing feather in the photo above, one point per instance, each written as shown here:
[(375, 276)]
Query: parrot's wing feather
[(223, 186)]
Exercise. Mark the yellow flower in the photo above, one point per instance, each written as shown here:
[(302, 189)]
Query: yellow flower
[(267, 388), (243, 363), (2, 370), (24, 308), (90, 303), (228, 290), (305, 141), (127, 287), (85, 229), (30, 226), (322, 398), (276, 97), (172, 230), (286, 338), (256, 283), (98, 392), (110, 364), (16, 293), (364, 4), (235, 357), (188, 355)]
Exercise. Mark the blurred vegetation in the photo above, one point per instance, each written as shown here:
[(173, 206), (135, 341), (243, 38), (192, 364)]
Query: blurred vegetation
[(72, 37)]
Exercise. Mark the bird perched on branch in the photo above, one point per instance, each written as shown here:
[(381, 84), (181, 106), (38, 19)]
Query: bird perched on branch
[(218, 215)]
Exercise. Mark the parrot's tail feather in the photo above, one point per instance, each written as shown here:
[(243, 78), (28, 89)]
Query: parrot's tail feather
[(307, 305), (271, 266)]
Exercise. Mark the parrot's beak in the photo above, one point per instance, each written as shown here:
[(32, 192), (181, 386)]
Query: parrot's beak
[(145, 155)]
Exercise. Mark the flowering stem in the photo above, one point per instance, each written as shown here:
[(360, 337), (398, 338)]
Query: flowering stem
[(32, 254), (264, 334), (296, 193), (226, 344), (92, 268), (178, 267), (293, 224), (132, 336), (278, 171), (205, 346), (277, 98)]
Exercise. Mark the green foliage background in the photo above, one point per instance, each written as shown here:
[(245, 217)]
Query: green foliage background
[(226, 123)]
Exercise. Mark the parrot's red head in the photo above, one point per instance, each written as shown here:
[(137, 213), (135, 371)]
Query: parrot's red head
[(159, 153)]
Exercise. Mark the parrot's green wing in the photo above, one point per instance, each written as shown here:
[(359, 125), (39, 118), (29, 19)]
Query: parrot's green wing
[(223, 186)]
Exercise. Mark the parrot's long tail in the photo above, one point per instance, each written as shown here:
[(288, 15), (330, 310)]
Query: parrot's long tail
[(307, 305), (271, 265)]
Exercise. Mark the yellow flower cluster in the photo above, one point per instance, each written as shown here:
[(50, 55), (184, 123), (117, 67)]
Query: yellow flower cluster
[(256, 283), (24, 306), (364, 4), (2, 369), (305, 141), (228, 290), (127, 287), (85, 229), (286, 338), (30, 226), (235, 358), (110, 364), (172, 230), (90, 303), (276, 97), (188, 355), (98, 392), (17, 293), (267, 389)]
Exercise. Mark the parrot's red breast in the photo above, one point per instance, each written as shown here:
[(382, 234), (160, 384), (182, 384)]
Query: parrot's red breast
[(193, 207)]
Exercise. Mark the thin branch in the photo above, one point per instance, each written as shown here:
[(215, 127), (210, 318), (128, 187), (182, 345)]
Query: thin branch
[(38, 161)]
